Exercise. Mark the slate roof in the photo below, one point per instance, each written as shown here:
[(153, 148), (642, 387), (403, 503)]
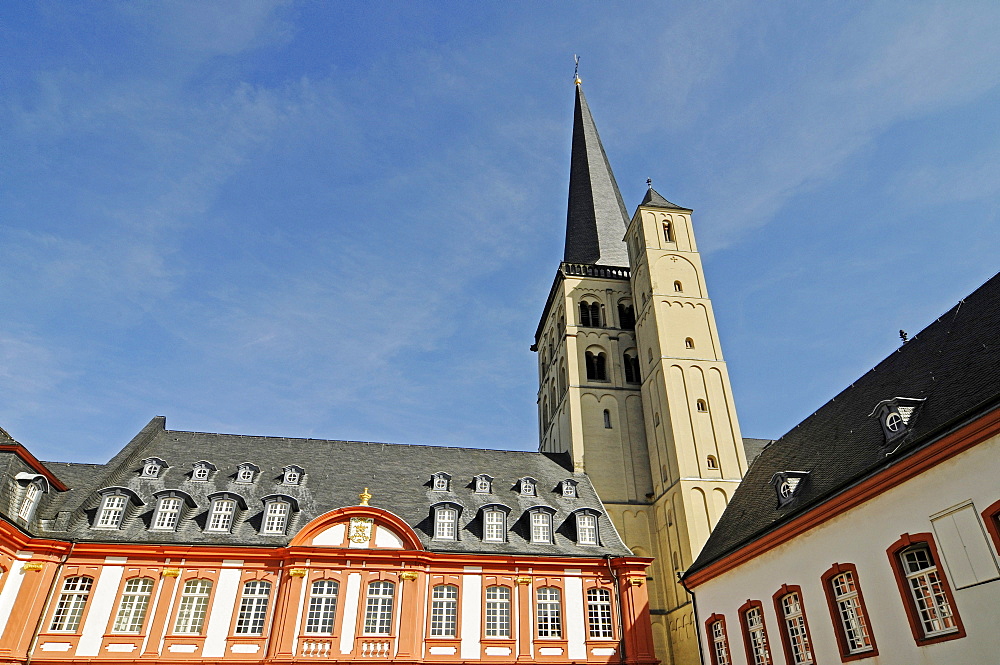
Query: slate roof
[(753, 448), (652, 199), (953, 364), (398, 477), (596, 218)]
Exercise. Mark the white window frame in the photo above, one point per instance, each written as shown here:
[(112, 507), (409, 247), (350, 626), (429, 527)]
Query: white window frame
[(151, 469), (440, 483), (276, 513), (254, 601), (446, 523), (168, 513), (483, 485), (497, 620), (71, 604), (569, 489), (245, 474), (720, 643), (794, 625), (541, 527), (322, 611), (927, 590), (193, 608), (600, 620), (379, 599), (759, 649), (548, 613), (494, 525), (291, 476), (586, 529), (853, 622), (133, 606), (444, 610), (111, 512), (528, 487), (221, 515), (32, 496)]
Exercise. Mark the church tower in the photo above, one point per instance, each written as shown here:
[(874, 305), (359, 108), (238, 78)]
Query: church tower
[(632, 383)]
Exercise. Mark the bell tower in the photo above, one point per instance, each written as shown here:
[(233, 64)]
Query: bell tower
[(632, 383)]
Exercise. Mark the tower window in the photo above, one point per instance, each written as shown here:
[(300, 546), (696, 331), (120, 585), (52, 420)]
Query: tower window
[(711, 462), (678, 288), (688, 343), (596, 366), (626, 315), (668, 232), (590, 314), (649, 355), (631, 361), (607, 419), (701, 406)]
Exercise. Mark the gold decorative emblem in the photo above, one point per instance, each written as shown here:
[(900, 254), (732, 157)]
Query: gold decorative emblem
[(32, 566), (361, 529), (636, 581), (297, 572), (408, 575), (365, 497), (524, 580), (171, 572)]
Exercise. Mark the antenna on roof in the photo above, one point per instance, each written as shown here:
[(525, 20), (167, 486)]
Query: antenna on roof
[(649, 183), (903, 336), (576, 71)]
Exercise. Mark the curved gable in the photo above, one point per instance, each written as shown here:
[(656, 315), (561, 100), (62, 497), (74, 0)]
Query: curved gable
[(358, 527)]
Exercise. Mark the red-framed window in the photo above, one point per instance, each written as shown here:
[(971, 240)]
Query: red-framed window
[(927, 597), (755, 633), (795, 637), (991, 518), (848, 612), (718, 640)]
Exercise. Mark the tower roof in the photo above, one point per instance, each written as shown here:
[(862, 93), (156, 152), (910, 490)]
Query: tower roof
[(596, 219), (654, 200)]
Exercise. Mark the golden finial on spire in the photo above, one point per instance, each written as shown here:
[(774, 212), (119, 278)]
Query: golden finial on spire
[(365, 497), (576, 72)]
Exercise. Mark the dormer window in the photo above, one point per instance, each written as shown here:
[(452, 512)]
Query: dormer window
[(168, 511), (446, 521), (202, 470), (896, 414), (152, 467), (788, 484), (276, 512), (484, 484), (586, 528), (292, 475), (495, 524), (527, 486), (440, 482), (541, 526), (221, 514), (568, 488), (33, 492), (246, 472), (111, 512)]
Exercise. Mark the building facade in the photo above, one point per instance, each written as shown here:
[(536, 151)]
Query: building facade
[(870, 532), (632, 381), (209, 547)]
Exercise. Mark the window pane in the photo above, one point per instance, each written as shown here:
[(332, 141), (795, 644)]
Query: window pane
[(135, 602), (444, 610), (541, 527), (193, 605), (167, 513), (758, 640), (276, 517), (549, 611), (112, 509), (69, 607), (253, 608), (927, 589), (795, 629), (586, 529), (599, 612), (497, 611), (378, 610), (852, 618), (494, 528), (222, 515), (322, 607)]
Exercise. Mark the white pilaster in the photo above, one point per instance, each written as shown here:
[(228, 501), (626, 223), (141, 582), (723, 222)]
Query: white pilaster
[(576, 628), (221, 615), (102, 602), (472, 617), (351, 600), (10, 588)]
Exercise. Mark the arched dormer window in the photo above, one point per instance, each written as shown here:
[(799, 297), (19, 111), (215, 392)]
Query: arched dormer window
[(169, 511), (678, 287), (586, 527), (223, 511), (277, 513), (446, 521), (152, 467), (668, 232), (494, 518), (540, 520), (114, 504), (597, 365), (440, 482), (246, 472), (568, 488), (292, 475), (36, 486), (590, 314), (202, 470), (631, 362), (626, 315), (483, 484), (527, 486)]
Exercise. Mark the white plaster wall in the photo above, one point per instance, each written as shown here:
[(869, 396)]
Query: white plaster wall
[(472, 602), (221, 615), (11, 586), (351, 600), (576, 627), (102, 603), (861, 536)]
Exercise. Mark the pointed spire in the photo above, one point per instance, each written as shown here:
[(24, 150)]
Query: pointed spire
[(654, 200), (596, 217)]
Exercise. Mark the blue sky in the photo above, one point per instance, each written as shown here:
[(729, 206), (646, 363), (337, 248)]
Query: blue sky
[(340, 220)]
